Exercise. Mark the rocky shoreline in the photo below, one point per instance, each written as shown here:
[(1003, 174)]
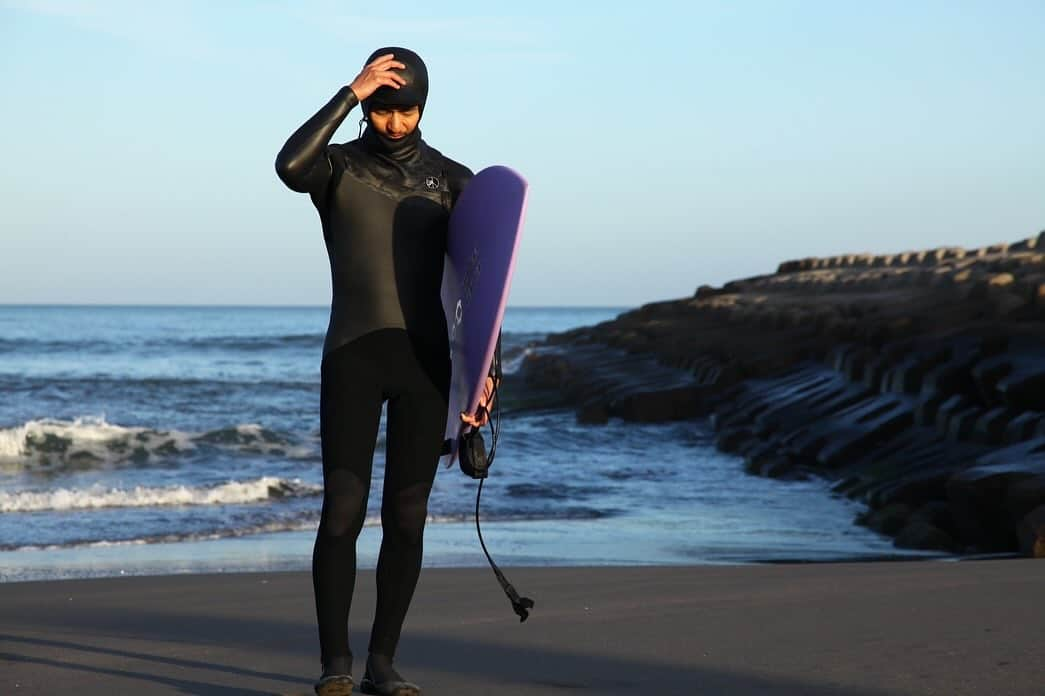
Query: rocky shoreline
[(914, 382)]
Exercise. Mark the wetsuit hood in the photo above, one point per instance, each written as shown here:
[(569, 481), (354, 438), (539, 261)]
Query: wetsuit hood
[(415, 91)]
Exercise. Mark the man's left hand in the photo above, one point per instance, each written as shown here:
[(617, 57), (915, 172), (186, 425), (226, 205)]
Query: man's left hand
[(482, 412)]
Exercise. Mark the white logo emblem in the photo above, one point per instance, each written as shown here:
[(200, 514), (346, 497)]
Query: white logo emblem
[(458, 314), (431, 182)]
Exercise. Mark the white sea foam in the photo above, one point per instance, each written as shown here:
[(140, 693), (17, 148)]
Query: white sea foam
[(90, 440), (511, 363), (16, 442), (231, 493)]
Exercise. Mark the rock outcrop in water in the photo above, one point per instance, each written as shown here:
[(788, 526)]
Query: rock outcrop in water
[(913, 381)]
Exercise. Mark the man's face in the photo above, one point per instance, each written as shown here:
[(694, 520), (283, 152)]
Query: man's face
[(395, 121)]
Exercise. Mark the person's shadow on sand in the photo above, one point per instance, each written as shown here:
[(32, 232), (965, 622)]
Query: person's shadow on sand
[(186, 685), (505, 664)]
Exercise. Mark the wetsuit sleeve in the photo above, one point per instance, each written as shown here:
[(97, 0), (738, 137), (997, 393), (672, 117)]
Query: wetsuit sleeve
[(303, 164)]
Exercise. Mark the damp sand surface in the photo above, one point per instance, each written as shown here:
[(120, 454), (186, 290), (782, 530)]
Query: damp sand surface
[(849, 629)]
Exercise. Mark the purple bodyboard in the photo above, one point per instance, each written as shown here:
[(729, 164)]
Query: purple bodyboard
[(483, 238)]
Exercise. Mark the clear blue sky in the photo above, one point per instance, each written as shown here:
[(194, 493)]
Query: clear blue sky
[(667, 144)]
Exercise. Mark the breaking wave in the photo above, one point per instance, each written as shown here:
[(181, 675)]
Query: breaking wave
[(90, 441), (231, 493)]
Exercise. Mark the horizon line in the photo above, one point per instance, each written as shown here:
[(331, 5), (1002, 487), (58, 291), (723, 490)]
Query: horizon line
[(262, 306)]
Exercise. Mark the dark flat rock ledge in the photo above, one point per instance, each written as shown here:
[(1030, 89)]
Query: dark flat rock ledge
[(915, 382)]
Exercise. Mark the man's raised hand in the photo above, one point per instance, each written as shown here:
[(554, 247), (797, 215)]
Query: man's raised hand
[(381, 72)]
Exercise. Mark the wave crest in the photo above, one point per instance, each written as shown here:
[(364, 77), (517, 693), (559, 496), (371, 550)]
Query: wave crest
[(93, 497), (89, 441)]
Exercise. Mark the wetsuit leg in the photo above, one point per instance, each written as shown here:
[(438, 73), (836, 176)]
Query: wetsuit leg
[(416, 424), (351, 395)]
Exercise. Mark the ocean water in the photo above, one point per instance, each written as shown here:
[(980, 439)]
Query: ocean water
[(186, 439)]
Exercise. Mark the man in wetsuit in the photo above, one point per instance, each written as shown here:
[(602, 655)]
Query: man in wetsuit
[(384, 201)]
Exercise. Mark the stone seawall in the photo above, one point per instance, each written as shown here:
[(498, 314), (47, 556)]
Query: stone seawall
[(914, 381)]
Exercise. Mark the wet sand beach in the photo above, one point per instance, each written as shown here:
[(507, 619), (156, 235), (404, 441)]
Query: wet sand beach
[(849, 629)]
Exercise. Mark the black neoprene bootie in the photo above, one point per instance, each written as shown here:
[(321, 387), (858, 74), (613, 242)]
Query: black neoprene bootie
[(336, 679), (381, 679)]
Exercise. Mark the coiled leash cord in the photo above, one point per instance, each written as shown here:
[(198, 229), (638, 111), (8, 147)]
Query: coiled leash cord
[(476, 463)]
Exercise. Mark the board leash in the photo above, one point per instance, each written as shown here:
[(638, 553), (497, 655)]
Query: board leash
[(521, 605)]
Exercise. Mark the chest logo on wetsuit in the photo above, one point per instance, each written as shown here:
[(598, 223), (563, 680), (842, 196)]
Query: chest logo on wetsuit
[(431, 182)]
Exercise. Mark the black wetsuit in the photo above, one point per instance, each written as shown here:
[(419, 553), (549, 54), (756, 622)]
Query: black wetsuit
[(384, 207)]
